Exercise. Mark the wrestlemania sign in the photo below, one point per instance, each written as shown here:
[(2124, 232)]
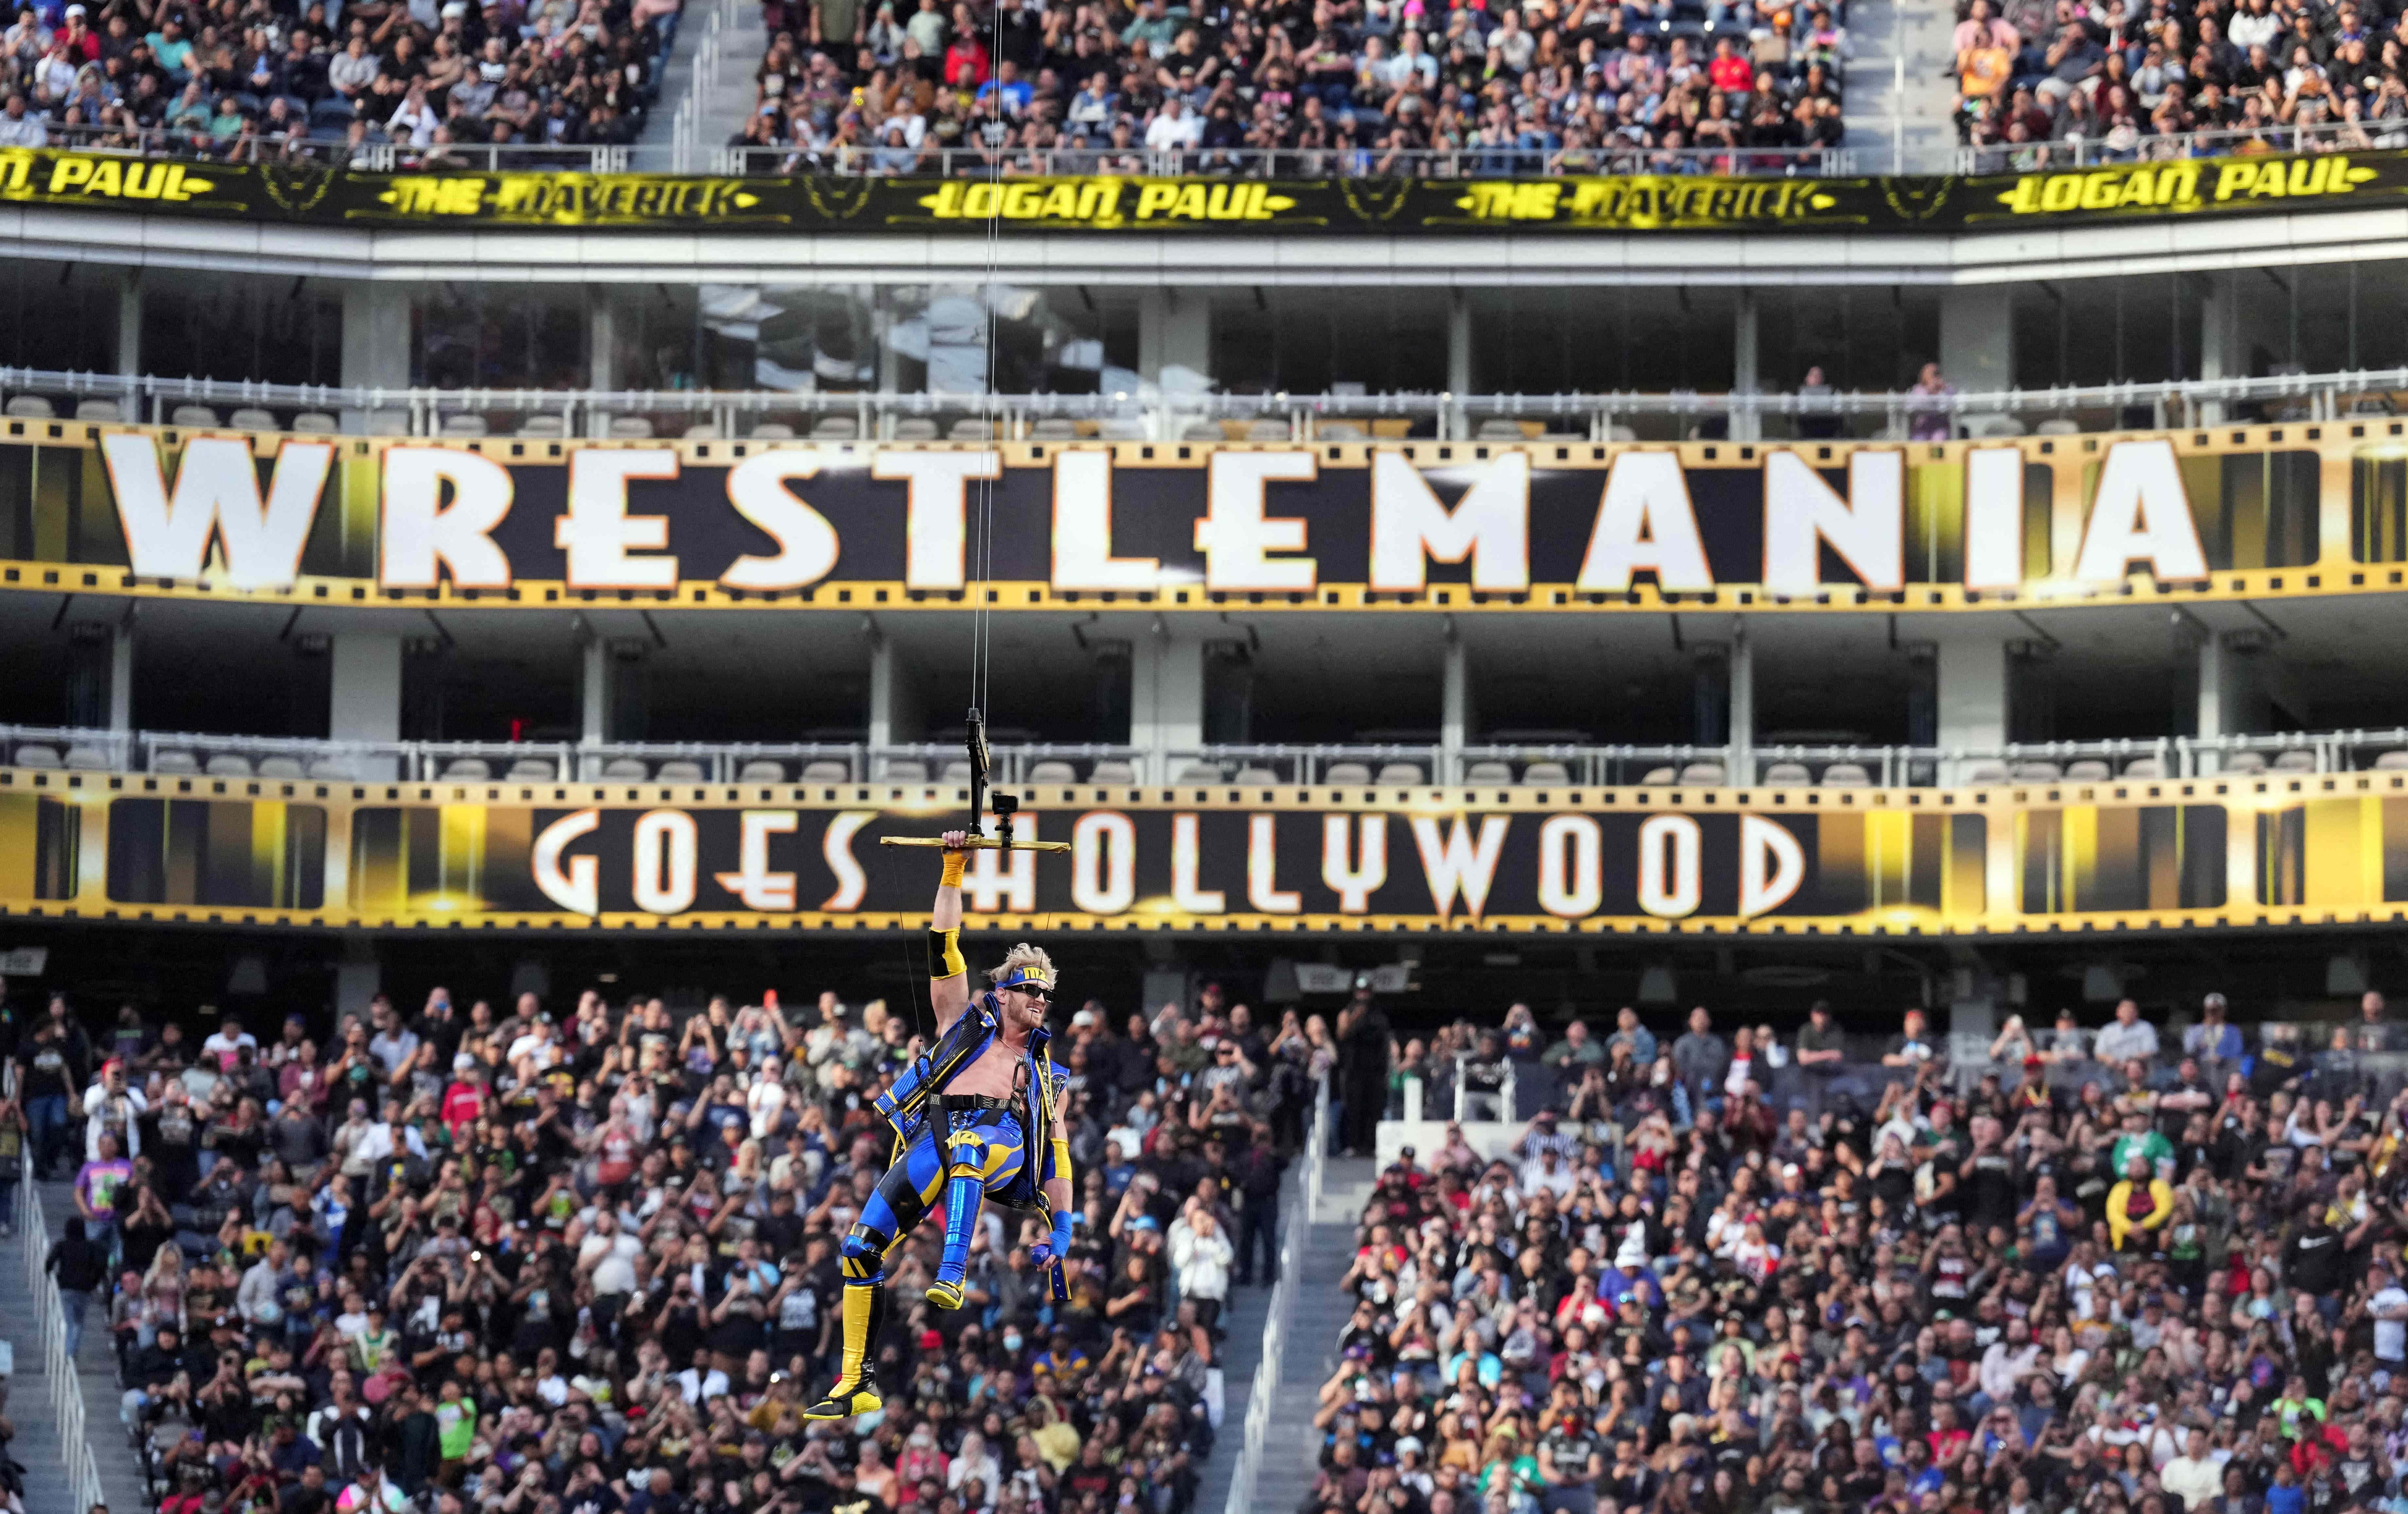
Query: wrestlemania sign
[(436, 197), (2247, 511), (2131, 854)]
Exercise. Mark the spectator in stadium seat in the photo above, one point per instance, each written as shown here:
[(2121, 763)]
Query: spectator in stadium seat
[(1913, 1048), (1628, 1031), (2127, 1036), (1700, 1057), (1575, 1051), (2374, 1031)]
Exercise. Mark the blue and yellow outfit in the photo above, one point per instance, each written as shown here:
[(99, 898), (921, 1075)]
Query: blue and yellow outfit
[(964, 1147)]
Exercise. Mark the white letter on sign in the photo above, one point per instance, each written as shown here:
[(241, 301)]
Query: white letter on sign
[(1235, 537), (597, 531), (1994, 518), (753, 882), (665, 861), (1083, 529), (578, 890), (1355, 882), (1671, 881), (1186, 866), (217, 489), (807, 544), (1867, 530), (1490, 524), (1571, 867), (1456, 864), (1772, 865), (416, 535), (1645, 520), (933, 526), (2142, 512), (836, 846), (989, 888), (1103, 862), (1262, 869)]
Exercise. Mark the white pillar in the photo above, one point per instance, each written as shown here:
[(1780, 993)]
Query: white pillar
[(594, 693), (129, 325), (364, 695), (1743, 708), (120, 679), (1458, 343), (1972, 673), (1976, 337), (375, 352), (1747, 426), (1166, 699), (2221, 352), (1174, 337), (357, 979), (1458, 717), (895, 715)]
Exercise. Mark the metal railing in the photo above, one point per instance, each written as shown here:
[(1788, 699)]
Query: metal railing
[(2165, 147), (872, 160), (1296, 1224), (701, 84), (264, 141), (1152, 415), (1038, 764), (58, 1368)]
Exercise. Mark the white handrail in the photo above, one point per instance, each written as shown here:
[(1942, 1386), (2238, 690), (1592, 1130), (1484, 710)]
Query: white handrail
[(58, 1368), (1295, 1224)]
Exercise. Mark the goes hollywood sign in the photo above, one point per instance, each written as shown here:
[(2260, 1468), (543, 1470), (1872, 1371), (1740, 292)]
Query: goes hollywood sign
[(2117, 856), (1528, 524)]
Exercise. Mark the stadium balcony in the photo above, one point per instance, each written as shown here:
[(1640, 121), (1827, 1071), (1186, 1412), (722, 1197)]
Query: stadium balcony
[(1385, 766), (1150, 414)]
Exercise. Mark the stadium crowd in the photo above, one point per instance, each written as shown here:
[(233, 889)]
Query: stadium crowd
[(499, 1261), (2044, 81), (365, 82), (1347, 87), (2125, 1269)]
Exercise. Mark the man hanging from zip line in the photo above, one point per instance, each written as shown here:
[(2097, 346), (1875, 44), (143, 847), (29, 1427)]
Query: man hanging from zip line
[(979, 1115)]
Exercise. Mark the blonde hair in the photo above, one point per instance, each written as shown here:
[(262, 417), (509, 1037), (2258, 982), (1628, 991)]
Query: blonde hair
[(1022, 956)]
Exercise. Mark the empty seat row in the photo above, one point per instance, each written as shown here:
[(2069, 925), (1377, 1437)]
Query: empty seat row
[(1535, 773)]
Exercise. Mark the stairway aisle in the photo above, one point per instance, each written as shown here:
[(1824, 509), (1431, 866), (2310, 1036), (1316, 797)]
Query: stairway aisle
[(121, 1473), (1292, 1452), (1890, 129), (36, 1447)]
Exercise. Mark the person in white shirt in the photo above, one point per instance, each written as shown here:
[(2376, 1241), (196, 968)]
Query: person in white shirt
[(1174, 128), (224, 1045), (2388, 1305), (1547, 1170), (2195, 1475), (113, 1105), (2126, 1037), (608, 1254)]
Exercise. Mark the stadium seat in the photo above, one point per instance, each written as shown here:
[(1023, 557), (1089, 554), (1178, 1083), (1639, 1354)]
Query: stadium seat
[(1198, 772), (530, 770), (2295, 761), (104, 411), (192, 415), (971, 429), (630, 428), (834, 429), (956, 771), (1846, 775), (626, 770), (826, 771), (680, 771), (316, 422), (915, 428), (1121, 431), (1498, 430), (88, 759), (1990, 427), (1408, 774), (467, 769), (1787, 775), (464, 425), (1053, 772), (279, 767), (334, 769), (1488, 773), (2035, 772), (2057, 426), (1702, 774), (1112, 771), (2391, 762), (903, 771), (544, 425), (1551, 774), (228, 765), (1346, 773), (1341, 431), (1053, 429), (30, 407), (772, 431), (1981, 775), (762, 771), (701, 432), (1268, 431), (2144, 768), (2088, 770), (250, 418), (1620, 433), (175, 762), (1255, 775), (2245, 762), (31, 756), (1201, 431)]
